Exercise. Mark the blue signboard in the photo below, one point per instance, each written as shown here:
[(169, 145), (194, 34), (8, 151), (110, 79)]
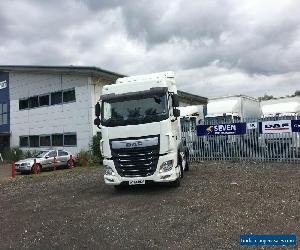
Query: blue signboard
[(295, 125), (268, 240), (4, 102), (222, 129)]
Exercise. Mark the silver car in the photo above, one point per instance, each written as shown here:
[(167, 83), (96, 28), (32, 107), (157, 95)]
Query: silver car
[(45, 160)]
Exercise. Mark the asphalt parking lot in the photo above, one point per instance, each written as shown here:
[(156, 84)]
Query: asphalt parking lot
[(215, 203)]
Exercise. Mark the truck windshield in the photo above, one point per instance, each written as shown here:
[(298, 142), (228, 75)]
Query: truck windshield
[(222, 119), (134, 111)]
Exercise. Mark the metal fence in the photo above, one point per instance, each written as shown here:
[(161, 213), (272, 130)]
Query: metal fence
[(253, 145)]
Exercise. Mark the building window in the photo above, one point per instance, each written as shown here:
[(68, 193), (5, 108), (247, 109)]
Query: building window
[(57, 140), (33, 102), (23, 104), (45, 141), (70, 140), (3, 114), (69, 96), (24, 141), (44, 100), (56, 98), (34, 141)]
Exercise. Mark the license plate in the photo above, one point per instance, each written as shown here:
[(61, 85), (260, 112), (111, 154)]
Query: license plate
[(136, 182)]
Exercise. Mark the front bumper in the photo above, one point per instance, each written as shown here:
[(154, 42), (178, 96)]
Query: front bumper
[(22, 168), (168, 176)]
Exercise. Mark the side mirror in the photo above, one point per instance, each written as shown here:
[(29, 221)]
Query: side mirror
[(176, 112), (97, 121), (46, 157), (175, 101), (97, 110)]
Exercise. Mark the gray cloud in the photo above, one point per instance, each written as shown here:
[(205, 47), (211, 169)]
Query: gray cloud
[(243, 46), (217, 30)]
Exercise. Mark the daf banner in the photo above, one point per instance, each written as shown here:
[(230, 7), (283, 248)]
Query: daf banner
[(252, 125), (275, 127), (222, 129), (295, 125)]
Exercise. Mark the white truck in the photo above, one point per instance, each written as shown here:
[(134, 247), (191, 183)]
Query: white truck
[(226, 110), (288, 107), (140, 126), (190, 117), (193, 112), (232, 109), (281, 145)]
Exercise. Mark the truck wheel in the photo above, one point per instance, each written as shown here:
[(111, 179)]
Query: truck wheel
[(118, 187), (187, 167), (180, 164), (175, 183)]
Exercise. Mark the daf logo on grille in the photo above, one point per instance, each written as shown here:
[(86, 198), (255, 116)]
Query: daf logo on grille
[(140, 143), (134, 144)]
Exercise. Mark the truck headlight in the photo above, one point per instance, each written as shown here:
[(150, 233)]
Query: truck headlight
[(109, 171), (166, 166)]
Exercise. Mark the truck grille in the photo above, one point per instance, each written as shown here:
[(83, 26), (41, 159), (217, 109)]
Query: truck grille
[(136, 162)]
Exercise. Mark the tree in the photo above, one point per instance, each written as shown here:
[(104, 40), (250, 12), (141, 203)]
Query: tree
[(266, 97)]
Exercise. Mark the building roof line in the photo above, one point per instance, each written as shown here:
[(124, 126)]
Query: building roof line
[(192, 97), (60, 69), (85, 70), (229, 96)]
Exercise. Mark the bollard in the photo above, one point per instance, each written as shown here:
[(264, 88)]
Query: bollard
[(54, 166), (13, 169), (35, 167), (71, 162)]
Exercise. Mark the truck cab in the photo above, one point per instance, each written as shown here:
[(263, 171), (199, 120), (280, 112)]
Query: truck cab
[(140, 126), (230, 109), (282, 144)]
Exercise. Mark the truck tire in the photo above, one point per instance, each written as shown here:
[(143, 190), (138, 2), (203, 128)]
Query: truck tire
[(118, 187), (175, 183), (180, 165), (187, 167)]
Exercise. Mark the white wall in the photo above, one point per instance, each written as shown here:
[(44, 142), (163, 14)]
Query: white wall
[(71, 117), (95, 92)]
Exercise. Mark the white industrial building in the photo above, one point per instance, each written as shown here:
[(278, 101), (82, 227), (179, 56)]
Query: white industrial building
[(43, 107)]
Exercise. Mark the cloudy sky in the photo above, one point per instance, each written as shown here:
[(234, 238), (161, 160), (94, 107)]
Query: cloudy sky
[(216, 47)]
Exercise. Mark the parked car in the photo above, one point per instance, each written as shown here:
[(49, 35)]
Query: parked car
[(45, 160)]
